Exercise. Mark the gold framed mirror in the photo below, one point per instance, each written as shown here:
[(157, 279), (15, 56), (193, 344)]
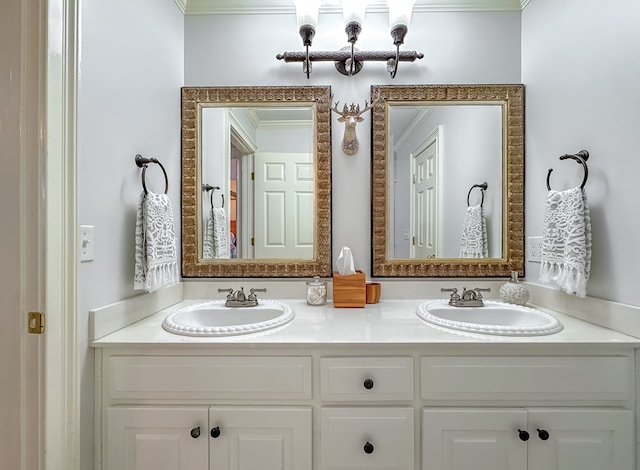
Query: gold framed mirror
[(256, 181), (447, 180)]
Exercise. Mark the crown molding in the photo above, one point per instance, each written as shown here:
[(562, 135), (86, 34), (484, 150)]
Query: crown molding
[(256, 7), (182, 5)]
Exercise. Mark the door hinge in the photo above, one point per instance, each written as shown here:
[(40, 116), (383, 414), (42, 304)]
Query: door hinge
[(414, 179), (413, 240), (37, 323), (253, 175), (253, 241)]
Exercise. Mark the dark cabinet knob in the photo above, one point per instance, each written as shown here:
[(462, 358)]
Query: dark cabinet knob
[(542, 434), (195, 432), (368, 448), (215, 432), (368, 384), (523, 435)]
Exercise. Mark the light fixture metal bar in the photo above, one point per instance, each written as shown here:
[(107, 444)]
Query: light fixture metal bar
[(341, 56)]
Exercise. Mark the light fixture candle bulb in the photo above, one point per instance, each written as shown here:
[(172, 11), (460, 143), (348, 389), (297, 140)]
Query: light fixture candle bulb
[(400, 12), (353, 12), (307, 18)]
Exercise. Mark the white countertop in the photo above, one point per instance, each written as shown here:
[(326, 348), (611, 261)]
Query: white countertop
[(390, 323)]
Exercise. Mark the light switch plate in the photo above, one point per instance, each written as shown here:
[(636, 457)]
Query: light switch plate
[(534, 249), (86, 243)]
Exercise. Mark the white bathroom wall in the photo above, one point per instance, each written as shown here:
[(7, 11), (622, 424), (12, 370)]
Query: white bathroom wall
[(131, 71), (459, 48), (580, 64)]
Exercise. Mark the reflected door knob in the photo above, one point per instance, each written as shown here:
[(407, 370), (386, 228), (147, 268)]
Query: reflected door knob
[(368, 384), (215, 432), (542, 434), (368, 448), (523, 435), (195, 432)]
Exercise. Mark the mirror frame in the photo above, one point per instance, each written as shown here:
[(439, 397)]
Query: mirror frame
[(192, 102), (511, 98)]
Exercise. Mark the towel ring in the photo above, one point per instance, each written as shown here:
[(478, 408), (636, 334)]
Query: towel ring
[(483, 188), (143, 163), (208, 187), (581, 157)]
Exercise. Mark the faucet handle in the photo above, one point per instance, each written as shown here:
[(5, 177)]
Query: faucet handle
[(229, 292), (479, 290), (252, 293), (454, 292)]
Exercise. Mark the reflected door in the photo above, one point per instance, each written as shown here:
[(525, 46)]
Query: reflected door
[(284, 205), (424, 213)]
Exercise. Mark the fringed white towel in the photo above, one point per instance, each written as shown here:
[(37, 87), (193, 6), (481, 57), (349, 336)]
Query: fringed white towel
[(220, 239), (474, 234), (566, 241), (208, 250), (156, 261)]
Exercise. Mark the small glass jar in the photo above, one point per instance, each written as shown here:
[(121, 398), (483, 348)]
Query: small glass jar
[(316, 291)]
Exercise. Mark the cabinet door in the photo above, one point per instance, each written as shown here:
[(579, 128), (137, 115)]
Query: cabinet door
[(367, 438), (478, 439), (581, 439), (156, 438), (260, 438)]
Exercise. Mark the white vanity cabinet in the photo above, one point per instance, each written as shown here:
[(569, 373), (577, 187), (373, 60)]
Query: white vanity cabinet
[(214, 438), (370, 430), (527, 439), (537, 435), (350, 407), (165, 412)]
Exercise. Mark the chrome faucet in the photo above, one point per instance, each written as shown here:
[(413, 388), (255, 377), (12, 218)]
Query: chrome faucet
[(240, 299), (469, 298)]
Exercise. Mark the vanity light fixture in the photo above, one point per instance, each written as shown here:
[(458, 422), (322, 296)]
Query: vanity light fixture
[(349, 60)]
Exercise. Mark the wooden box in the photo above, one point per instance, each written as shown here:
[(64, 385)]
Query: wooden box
[(349, 290)]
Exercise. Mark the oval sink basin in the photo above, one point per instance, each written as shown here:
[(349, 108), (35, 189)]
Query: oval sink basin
[(212, 318), (495, 318)]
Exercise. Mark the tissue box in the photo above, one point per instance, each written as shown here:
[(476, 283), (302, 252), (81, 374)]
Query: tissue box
[(349, 290)]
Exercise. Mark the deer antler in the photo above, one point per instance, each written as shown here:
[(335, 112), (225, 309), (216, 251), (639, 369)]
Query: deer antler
[(367, 107), (335, 108)]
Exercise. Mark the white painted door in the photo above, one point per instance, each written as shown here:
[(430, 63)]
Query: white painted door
[(260, 438), (23, 285), (581, 439), (473, 439), (284, 206), (424, 199), (157, 438)]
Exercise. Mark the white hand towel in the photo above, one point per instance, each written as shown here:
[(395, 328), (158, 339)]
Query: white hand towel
[(156, 261), (474, 234), (220, 239), (566, 241)]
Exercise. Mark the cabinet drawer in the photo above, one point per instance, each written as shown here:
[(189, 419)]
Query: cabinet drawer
[(357, 438), (264, 377), (366, 378), (578, 378)]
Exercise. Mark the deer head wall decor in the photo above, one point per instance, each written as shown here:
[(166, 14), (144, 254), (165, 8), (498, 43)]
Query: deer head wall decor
[(351, 115)]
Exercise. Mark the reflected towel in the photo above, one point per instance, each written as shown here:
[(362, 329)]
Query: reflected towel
[(474, 234), (156, 260), (566, 241), (220, 239), (208, 250)]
